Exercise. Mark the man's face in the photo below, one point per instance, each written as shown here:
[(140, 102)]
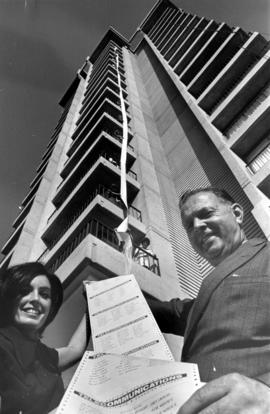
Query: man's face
[(212, 225)]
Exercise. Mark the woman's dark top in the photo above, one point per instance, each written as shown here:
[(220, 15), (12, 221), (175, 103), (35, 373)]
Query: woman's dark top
[(30, 380)]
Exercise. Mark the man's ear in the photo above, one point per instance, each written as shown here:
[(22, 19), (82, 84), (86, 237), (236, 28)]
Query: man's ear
[(238, 213)]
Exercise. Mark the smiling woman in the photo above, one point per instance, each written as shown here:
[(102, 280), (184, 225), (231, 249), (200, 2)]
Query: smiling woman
[(30, 298), (33, 309)]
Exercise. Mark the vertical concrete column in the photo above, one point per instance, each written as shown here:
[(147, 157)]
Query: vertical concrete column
[(149, 199)]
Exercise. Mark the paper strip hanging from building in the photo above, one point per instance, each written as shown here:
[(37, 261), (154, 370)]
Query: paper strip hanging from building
[(123, 160), (125, 240), (122, 231)]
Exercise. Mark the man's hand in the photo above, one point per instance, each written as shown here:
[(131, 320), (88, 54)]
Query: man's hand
[(230, 394)]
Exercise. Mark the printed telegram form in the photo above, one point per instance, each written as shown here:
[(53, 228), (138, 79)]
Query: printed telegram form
[(121, 320), (131, 370), (122, 384)]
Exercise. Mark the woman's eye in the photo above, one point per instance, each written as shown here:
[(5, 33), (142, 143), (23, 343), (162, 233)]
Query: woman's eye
[(45, 295)]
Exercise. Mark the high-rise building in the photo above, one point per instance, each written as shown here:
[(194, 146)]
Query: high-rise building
[(197, 99)]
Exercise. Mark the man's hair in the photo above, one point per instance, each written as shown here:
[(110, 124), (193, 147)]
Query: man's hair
[(15, 283), (220, 193)]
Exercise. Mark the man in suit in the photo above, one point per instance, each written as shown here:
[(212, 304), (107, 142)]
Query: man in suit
[(227, 328)]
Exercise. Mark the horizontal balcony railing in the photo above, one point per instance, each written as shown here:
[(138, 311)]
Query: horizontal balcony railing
[(111, 73), (71, 188), (104, 192), (103, 233), (38, 176), (201, 39), (107, 51), (206, 52), (156, 26), (146, 259), (98, 71), (246, 115), (105, 155), (24, 211), (13, 239), (108, 157), (105, 123), (85, 146), (112, 84), (43, 164), (119, 137), (30, 194), (260, 160), (94, 227), (108, 94), (91, 117), (234, 82), (93, 82), (109, 56)]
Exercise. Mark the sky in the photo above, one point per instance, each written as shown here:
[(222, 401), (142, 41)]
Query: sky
[(43, 44)]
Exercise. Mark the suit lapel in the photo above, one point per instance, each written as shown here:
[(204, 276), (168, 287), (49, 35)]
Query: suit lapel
[(242, 255)]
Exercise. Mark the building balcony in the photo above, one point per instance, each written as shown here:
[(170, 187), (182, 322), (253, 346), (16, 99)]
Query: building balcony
[(89, 151), (252, 126), (43, 164), (103, 202), (232, 73), (56, 257), (259, 166), (183, 46), (110, 59), (200, 41), (48, 152), (106, 92), (244, 91), (181, 34), (102, 171), (146, 259), (106, 123), (38, 176), (53, 140), (6, 260), (102, 147), (217, 62), (30, 194), (13, 239), (206, 52), (108, 83), (23, 213), (107, 50), (105, 105), (163, 26), (100, 76), (174, 24), (257, 162), (111, 73), (156, 26)]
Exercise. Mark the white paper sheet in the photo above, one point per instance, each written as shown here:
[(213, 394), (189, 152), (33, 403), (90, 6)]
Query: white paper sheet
[(120, 384), (121, 320)]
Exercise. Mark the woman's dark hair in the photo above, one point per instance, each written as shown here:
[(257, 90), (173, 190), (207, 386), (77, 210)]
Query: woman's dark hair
[(15, 282)]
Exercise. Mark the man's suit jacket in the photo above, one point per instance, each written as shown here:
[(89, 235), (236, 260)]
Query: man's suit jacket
[(228, 327)]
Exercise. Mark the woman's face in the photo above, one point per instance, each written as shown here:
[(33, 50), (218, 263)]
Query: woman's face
[(34, 307)]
